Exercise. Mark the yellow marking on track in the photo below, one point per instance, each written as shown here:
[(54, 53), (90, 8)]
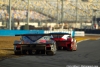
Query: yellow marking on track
[(87, 37)]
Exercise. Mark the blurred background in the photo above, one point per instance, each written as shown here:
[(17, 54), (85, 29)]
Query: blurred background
[(49, 14)]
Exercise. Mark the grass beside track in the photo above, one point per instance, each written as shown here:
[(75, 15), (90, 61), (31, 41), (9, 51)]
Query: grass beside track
[(6, 45)]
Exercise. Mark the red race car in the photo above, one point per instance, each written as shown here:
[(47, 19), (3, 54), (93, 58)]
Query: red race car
[(64, 41)]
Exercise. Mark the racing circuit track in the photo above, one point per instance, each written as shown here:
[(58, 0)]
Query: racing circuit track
[(88, 53)]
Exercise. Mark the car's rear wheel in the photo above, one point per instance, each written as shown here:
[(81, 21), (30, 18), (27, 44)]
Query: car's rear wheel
[(37, 51), (64, 48), (24, 52), (30, 52), (42, 51), (53, 52), (17, 52), (69, 48), (59, 48), (50, 53)]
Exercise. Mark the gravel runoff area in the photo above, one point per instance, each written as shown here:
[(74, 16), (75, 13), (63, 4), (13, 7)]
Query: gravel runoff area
[(6, 45)]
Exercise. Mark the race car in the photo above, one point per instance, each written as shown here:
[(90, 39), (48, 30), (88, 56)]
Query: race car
[(35, 44), (64, 41)]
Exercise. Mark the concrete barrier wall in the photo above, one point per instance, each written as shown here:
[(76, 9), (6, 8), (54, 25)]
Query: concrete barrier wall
[(90, 31), (77, 33), (13, 32)]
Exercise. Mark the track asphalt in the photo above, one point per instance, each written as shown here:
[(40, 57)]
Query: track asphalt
[(87, 55)]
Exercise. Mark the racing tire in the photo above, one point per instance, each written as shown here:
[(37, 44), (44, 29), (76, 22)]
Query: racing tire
[(69, 47), (42, 51), (24, 52), (37, 52), (58, 48), (17, 52), (50, 53), (64, 48), (30, 52)]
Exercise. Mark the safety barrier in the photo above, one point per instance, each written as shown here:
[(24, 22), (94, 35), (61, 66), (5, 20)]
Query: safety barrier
[(13, 32), (77, 33), (89, 31)]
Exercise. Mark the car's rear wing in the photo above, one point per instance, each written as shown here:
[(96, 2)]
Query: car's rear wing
[(42, 34), (32, 34), (58, 33)]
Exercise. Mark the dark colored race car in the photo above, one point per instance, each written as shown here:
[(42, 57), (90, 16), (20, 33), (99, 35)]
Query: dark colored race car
[(64, 41), (35, 44)]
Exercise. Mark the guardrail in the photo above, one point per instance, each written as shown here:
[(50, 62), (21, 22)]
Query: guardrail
[(90, 31), (77, 33), (13, 32)]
